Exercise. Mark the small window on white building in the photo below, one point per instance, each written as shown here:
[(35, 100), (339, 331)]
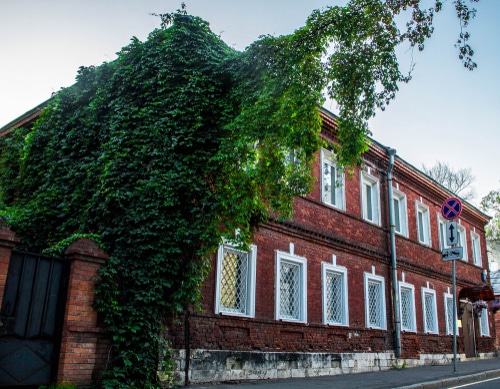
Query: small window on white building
[(335, 308), (448, 307), (375, 301), (476, 249), (370, 198), (332, 181), (484, 327), (429, 311), (407, 307), (423, 224), (235, 292), (400, 212), (291, 289)]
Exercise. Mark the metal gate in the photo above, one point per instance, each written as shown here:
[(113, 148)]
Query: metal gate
[(31, 319)]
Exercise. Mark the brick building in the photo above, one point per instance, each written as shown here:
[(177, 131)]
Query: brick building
[(316, 295)]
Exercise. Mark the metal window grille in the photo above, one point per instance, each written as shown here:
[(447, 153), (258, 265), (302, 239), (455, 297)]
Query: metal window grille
[(334, 298), (375, 318), (407, 312), (290, 291), (449, 315), (430, 318), (483, 323), (234, 281)]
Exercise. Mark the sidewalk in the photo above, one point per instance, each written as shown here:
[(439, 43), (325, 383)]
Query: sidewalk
[(435, 376)]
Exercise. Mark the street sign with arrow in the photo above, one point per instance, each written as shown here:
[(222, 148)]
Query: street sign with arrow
[(451, 233), (453, 253)]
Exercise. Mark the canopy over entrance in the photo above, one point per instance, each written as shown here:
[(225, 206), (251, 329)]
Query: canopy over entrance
[(477, 292)]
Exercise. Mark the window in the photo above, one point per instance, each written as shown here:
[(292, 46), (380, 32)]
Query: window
[(484, 328), (374, 301), (235, 293), (332, 181), (291, 275), (335, 310), (423, 224), (476, 249), (448, 306), (370, 198), (443, 242), (400, 215), (407, 307), (429, 311), (462, 240)]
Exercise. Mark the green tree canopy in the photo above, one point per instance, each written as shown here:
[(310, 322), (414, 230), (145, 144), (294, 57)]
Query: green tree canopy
[(182, 141)]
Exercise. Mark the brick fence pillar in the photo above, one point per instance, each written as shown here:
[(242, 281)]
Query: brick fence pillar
[(84, 346), (8, 241)]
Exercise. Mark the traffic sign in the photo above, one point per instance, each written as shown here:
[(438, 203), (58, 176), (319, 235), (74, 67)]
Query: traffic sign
[(451, 208), (453, 253), (451, 233)]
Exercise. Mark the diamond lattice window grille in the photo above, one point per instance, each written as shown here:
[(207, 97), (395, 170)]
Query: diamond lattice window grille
[(334, 298), (407, 312), (375, 304), (234, 281), (290, 291), (430, 318)]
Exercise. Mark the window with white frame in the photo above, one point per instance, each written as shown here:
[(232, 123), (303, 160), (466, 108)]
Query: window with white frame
[(423, 224), (476, 249), (375, 301), (335, 309), (332, 181), (443, 242), (448, 307), (484, 327), (407, 307), (291, 276), (429, 311), (462, 241), (400, 213), (370, 198), (235, 292)]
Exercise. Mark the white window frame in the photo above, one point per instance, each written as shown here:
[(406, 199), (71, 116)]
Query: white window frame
[(443, 241), (413, 319), (476, 249), (462, 241), (327, 268), (282, 257), (448, 304), (484, 325), (374, 198), (402, 215), (369, 277), (328, 158), (426, 226), (250, 282), (428, 291)]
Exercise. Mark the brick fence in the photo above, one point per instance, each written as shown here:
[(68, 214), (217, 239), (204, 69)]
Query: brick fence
[(84, 347)]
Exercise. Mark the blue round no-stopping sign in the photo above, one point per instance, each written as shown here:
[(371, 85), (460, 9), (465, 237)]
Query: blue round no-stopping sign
[(451, 208)]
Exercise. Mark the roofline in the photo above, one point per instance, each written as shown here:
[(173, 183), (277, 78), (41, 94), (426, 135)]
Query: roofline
[(24, 118)]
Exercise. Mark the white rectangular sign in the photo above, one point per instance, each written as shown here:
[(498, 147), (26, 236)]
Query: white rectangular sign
[(453, 253)]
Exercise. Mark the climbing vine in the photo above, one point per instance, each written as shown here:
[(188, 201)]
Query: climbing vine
[(181, 141)]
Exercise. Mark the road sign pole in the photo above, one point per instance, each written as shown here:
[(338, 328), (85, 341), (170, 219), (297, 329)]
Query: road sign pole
[(454, 318)]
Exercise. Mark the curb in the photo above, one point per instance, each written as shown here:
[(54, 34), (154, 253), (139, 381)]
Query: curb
[(446, 382)]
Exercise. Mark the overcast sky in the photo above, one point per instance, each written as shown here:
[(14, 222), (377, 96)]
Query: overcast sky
[(445, 113)]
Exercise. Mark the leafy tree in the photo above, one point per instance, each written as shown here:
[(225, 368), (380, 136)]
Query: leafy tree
[(181, 141), (491, 203), (457, 181)]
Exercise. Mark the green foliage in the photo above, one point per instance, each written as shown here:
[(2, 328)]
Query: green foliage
[(64, 385), (181, 141), (491, 203)]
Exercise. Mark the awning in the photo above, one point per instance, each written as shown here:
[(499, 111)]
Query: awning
[(477, 292)]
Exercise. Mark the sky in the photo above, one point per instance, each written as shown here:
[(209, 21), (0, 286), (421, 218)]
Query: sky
[(446, 113)]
